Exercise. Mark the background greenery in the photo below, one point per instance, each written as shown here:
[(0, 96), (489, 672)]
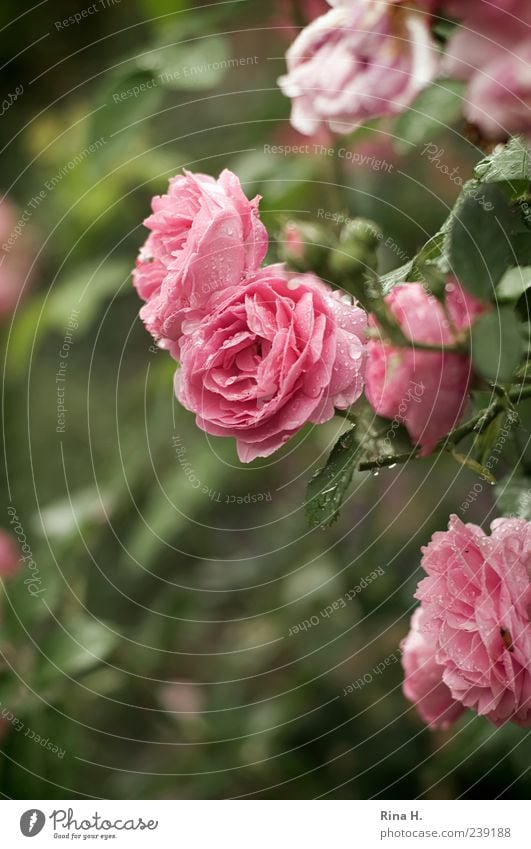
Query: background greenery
[(159, 656)]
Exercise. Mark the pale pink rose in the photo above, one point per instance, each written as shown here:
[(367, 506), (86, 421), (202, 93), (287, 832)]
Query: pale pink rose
[(426, 391), (205, 237), (9, 555), (360, 61), (476, 604), (278, 352), (423, 684), (491, 51), (499, 96)]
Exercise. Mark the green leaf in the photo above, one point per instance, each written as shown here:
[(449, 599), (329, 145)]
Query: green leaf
[(326, 490), (436, 108), (474, 466), (398, 275), (497, 345), (413, 270), (480, 238), (514, 283), (513, 497), (507, 164)]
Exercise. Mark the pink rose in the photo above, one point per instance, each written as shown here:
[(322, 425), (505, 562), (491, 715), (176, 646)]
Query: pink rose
[(426, 391), (423, 684), (499, 94), (9, 555), (491, 51), (360, 61), (476, 603), (278, 352), (205, 237)]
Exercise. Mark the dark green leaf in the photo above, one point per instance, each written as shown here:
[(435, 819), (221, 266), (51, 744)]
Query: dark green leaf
[(513, 497), (480, 238), (327, 488), (507, 164), (413, 270), (497, 345)]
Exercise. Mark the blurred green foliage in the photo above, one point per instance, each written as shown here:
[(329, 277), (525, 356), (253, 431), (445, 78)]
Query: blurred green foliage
[(159, 655)]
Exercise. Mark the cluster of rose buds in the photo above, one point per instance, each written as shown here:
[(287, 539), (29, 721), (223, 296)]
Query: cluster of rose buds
[(470, 639), (367, 59)]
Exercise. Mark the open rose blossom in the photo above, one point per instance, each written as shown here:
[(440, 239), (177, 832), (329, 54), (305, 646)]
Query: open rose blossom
[(360, 60), (475, 619), (278, 352), (426, 391), (423, 684), (205, 236)]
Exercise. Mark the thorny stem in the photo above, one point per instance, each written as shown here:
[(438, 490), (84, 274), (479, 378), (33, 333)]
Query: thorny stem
[(474, 425)]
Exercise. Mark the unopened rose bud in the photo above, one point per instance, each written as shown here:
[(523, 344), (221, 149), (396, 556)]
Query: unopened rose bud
[(304, 246), (355, 256)]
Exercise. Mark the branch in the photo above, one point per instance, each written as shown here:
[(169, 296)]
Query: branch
[(474, 425)]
